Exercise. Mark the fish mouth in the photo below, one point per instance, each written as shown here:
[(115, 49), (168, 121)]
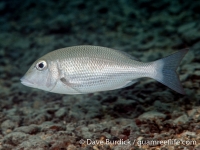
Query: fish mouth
[(26, 82)]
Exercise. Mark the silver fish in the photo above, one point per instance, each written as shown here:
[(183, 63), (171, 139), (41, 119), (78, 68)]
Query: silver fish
[(87, 69)]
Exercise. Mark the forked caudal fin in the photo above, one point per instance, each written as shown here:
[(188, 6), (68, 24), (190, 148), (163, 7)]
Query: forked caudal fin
[(165, 70)]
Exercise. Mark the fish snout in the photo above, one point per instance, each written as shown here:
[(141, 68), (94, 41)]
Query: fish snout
[(26, 82)]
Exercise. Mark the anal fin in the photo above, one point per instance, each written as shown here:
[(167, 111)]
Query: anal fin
[(130, 83)]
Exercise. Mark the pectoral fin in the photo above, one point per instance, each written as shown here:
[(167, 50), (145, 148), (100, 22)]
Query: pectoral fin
[(71, 85)]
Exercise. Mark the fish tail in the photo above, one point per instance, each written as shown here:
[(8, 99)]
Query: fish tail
[(165, 71)]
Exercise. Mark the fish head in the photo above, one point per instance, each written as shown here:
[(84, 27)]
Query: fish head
[(40, 76)]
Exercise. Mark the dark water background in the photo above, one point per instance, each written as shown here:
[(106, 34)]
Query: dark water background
[(146, 29), (37, 27)]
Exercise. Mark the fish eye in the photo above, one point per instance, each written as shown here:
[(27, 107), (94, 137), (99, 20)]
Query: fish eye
[(41, 65)]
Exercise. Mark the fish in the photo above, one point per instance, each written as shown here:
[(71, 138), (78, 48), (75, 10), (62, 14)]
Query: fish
[(87, 69)]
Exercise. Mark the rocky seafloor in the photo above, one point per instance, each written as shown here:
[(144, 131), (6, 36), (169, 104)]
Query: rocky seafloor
[(146, 115)]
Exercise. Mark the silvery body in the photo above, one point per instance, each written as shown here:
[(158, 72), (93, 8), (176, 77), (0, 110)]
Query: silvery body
[(88, 69)]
